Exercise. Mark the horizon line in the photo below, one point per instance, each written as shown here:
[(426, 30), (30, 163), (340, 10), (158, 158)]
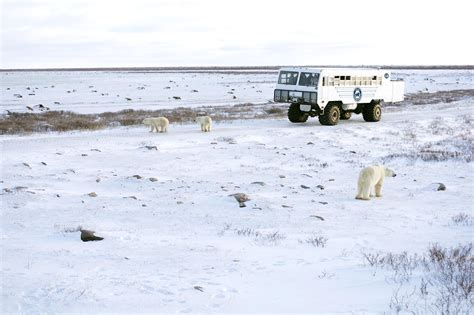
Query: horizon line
[(217, 68)]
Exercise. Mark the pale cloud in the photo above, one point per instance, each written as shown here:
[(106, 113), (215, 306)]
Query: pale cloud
[(94, 33)]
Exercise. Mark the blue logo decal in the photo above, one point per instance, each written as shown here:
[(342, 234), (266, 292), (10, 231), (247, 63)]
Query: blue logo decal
[(386, 75), (357, 94)]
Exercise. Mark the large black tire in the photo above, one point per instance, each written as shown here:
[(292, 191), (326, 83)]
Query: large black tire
[(372, 112), (331, 115), (295, 115), (345, 115)]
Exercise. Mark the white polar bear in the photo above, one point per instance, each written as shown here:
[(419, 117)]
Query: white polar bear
[(160, 124), (206, 123), (372, 176)]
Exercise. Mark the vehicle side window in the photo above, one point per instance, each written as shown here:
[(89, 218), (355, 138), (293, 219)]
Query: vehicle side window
[(288, 77), (308, 79)]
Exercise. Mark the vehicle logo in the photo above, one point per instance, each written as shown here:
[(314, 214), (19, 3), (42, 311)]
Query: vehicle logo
[(357, 94), (386, 75)]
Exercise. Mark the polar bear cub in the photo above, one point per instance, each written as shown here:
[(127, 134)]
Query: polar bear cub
[(205, 122), (370, 177), (160, 124)]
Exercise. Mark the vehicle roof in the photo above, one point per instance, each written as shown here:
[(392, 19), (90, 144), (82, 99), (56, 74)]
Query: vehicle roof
[(338, 71)]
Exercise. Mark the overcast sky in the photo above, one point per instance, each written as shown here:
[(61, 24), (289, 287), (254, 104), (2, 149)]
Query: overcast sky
[(118, 33)]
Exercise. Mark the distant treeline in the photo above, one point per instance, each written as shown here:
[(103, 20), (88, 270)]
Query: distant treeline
[(248, 68)]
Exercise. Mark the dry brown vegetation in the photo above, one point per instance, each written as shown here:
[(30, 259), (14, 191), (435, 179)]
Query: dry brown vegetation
[(440, 281), (436, 97), (14, 123)]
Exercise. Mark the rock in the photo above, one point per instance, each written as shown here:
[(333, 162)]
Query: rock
[(320, 187), (83, 154), (241, 199), (323, 202), (194, 91), (258, 183), (317, 217), (196, 287), (435, 187), (131, 197), (97, 150), (92, 194), (151, 147), (282, 176), (44, 163), (20, 188), (304, 187), (87, 236), (137, 176), (176, 97), (310, 143), (153, 179), (128, 99), (27, 165)]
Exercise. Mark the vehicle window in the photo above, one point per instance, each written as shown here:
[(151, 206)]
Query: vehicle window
[(308, 79), (288, 77)]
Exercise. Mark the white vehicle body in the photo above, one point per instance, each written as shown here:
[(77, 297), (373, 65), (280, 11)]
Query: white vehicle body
[(350, 88)]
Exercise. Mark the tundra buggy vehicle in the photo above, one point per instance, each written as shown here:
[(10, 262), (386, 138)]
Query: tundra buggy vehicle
[(333, 94)]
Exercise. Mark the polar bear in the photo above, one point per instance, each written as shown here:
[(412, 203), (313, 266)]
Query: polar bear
[(372, 176), (160, 124), (206, 123)]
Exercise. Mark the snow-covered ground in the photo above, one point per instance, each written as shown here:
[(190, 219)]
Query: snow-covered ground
[(182, 244), (100, 91)]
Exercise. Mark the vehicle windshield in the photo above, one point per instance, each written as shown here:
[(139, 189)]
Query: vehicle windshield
[(288, 77), (308, 79)]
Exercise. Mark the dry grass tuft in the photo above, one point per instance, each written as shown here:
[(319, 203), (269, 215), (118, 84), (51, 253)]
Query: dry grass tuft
[(443, 278), (15, 123)]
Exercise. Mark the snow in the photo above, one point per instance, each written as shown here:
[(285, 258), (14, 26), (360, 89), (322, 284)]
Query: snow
[(100, 91), (182, 244)]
